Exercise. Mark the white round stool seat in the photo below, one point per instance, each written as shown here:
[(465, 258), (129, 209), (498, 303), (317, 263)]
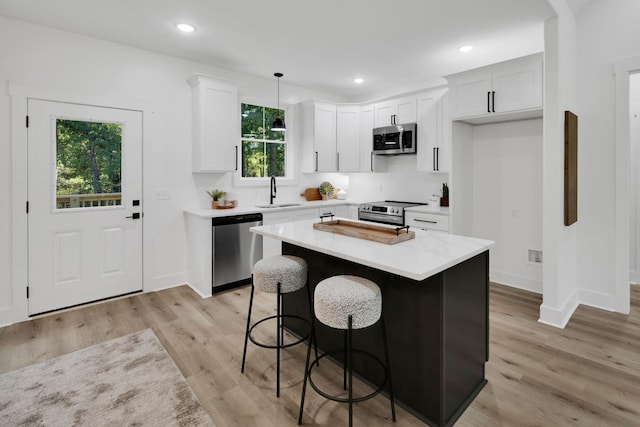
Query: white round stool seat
[(340, 296), (290, 271)]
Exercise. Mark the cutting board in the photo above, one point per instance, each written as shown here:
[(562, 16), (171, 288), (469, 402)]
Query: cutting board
[(314, 194), (376, 233), (311, 194)]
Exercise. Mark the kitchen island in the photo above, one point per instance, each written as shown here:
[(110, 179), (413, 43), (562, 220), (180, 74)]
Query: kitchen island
[(436, 306)]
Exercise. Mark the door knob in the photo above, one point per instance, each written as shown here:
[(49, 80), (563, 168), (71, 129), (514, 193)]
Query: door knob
[(135, 215)]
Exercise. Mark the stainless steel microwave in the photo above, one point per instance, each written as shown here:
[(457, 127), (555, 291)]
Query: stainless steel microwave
[(395, 139)]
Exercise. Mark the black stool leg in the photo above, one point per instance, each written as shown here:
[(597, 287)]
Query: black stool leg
[(349, 362), (246, 332), (312, 338), (278, 340), (345, 363), (386, 355), (311, 317)]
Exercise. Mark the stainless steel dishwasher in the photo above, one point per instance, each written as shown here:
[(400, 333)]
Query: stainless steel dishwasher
[(235, 250)]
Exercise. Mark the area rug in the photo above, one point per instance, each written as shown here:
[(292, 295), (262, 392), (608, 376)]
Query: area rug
[(128, 381)]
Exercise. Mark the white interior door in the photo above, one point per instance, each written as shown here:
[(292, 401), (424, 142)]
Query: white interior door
[(85, 206)]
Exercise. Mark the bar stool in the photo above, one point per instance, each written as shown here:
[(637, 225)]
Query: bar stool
[(280, 275), (348, 303)]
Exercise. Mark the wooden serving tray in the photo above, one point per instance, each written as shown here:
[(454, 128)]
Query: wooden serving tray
[(361, 230)]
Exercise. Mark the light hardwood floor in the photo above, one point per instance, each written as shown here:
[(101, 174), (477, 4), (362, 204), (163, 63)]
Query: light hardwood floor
[(585, 375)]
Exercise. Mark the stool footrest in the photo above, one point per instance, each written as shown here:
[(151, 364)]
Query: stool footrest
[(344, 399), (285, 316)]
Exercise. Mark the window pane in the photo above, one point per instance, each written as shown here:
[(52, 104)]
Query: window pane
[(252, 159), (253, 121), (260, 156), (275, 159), (88, 164)]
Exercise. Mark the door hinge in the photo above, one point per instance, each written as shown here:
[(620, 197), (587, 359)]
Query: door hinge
[(27, 206), (27, 121), (27, 292)]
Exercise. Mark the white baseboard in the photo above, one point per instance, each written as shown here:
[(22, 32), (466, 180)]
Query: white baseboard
[(558, 317), (634, 277), (159, 283), (515, 281), (197, 291), (596, 299)]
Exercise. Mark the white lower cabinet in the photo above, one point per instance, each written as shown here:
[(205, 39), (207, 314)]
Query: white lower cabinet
[(427, 221), (342, 211), (353, 211), (271, 247)]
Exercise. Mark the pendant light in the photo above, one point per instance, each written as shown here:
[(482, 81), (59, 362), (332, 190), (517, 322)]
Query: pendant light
[(278, 123)]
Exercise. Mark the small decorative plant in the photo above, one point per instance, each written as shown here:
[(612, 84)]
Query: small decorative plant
[(326, 190), (444, 200), (216, 194)]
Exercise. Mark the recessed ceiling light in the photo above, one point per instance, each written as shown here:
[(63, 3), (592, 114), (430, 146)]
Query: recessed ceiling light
[(465, 49), (185, 28), (358, 80)]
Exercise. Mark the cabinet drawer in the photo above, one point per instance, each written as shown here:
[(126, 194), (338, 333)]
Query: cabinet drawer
[(427, 221)]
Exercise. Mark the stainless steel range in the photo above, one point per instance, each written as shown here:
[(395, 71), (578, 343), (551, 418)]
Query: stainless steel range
[(385, 212)]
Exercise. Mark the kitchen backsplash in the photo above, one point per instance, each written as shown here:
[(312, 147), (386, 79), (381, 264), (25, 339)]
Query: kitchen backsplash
[(400, 182)]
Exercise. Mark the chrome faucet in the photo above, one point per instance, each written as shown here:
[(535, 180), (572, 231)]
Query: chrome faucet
[(272, 190)]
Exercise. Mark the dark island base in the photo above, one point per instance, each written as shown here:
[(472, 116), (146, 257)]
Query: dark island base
[(437, 331)]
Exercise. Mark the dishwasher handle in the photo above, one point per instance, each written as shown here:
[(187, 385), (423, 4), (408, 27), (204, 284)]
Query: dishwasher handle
[(236, 219)]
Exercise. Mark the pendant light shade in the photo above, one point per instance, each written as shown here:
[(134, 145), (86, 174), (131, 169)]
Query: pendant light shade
[(278, 123)]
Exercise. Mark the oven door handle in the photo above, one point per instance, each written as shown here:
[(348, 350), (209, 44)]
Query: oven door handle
[(381, 218)]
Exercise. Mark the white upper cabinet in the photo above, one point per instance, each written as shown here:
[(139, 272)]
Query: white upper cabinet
[(338, 138), (348, 138), (319, 152), (395, 112), (215, 124), (433, 153), (369, 162), (506, 87)]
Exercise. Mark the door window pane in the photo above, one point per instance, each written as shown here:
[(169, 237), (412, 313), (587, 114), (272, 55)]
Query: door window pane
[(88, 164)]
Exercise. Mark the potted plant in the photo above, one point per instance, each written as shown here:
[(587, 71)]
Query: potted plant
[(216, 195), (444, 200), (326, 190)]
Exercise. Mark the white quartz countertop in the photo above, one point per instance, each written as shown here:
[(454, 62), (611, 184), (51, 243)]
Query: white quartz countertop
[(214, 213), (428, 254)]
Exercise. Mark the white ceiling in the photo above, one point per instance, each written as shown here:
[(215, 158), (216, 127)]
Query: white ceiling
[(395, 45)]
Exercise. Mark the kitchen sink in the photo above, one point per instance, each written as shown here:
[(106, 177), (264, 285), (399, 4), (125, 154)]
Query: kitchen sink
[(279, 205)]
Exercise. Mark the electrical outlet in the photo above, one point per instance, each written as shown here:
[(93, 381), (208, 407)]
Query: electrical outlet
[(163, 195), (515, 213), (535, 256)]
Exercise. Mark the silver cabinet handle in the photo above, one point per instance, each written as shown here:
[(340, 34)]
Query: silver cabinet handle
[(425, 220)]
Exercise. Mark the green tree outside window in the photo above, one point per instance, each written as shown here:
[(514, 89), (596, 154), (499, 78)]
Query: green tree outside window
[(263, 150)]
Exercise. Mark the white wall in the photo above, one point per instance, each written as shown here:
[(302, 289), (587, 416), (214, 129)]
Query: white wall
[(400, 182), (37, 56), (507, 195), (559, 241), (606, 31)]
